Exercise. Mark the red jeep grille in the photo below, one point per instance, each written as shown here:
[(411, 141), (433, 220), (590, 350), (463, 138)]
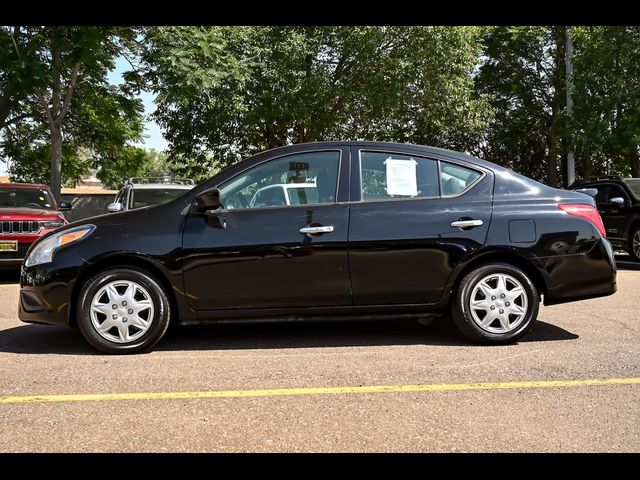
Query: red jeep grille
[(20, 227)]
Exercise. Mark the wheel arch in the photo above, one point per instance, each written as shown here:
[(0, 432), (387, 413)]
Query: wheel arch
[(503, 256), (120, 261)]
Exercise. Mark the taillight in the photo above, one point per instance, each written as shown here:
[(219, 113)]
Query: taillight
[(585, 211)]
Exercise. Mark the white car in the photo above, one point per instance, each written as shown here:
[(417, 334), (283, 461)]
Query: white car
[(285, 194), (139, 192)]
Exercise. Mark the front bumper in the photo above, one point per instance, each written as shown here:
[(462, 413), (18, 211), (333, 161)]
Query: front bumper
[(10, 263), (13, 260), (45, 292)]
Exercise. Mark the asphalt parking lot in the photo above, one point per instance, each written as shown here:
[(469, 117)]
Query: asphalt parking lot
[(573, 385)]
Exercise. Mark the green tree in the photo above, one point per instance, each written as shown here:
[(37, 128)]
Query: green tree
[(70, 95), (523, 74), (97, 136), (158, 164), (605, 127), (18, 75), (226, 92)]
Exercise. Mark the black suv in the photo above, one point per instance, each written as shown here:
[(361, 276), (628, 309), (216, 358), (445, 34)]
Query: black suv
[(618, 201)]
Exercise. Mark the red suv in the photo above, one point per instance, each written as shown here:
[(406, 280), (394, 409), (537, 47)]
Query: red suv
[(26, 213)]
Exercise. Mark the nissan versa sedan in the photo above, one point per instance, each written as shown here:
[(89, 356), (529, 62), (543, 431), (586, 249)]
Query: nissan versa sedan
[(383, 231)]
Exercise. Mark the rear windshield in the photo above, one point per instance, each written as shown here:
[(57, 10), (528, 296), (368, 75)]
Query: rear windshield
[(38, 198), (634, 185), (146, 197)]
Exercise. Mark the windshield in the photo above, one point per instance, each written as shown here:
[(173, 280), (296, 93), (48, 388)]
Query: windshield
[(26, 198), (146, 197), (634, 185)]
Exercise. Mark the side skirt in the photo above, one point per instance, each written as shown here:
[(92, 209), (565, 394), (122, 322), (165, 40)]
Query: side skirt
[(342, 313)]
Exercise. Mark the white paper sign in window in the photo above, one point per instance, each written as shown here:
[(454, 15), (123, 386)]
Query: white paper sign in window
[(401, 177)]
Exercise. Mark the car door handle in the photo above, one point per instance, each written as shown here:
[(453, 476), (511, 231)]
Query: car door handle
[(317, 230), (467, 223)]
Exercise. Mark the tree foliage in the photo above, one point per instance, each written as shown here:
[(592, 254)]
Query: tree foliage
[(68, 98), (223, 93), (605, 128), (227, 92), (523, 75)]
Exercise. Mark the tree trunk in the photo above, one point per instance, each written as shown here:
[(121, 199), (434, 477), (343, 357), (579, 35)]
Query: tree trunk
[(56, 161), (552, 156), (558, 102)]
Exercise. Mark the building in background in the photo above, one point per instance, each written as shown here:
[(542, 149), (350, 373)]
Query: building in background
[(89, 198)]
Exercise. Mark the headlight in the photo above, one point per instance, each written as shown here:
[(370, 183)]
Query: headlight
[(43, 251), (52, 224)]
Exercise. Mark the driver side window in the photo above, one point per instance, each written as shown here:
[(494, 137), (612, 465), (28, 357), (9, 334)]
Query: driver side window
[(299, 179)]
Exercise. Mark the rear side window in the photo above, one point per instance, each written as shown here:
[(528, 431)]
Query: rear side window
[(456, 179), (390, 175)]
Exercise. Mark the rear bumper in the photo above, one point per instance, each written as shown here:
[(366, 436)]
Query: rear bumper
[(578, 277)]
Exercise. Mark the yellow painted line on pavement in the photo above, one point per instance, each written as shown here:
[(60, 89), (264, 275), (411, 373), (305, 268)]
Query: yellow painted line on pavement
[(93, 397)]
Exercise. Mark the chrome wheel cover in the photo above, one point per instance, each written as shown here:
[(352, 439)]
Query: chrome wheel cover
[(498, 303), (122, 311)]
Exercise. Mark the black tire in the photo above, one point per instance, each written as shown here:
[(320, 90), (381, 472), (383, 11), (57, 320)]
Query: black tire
[(461, 311), (157, 294), (635, 234)]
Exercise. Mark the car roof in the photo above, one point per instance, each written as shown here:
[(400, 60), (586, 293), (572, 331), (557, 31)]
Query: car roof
[(23, 185), (385, 147), (160, 186), (423, 149)]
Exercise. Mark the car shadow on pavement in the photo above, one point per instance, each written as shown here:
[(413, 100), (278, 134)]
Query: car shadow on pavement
[(43, 339)]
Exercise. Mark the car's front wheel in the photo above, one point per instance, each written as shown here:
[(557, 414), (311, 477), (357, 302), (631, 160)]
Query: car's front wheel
[(495, 303), (123, 310)]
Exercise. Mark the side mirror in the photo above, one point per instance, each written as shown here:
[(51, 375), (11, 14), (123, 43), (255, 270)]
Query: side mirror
[(617, 201), (114, 207), (592, 192), (65, 206), (208, 200)]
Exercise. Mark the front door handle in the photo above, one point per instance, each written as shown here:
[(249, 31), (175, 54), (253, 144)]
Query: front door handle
[(467, 223), (316, 230)]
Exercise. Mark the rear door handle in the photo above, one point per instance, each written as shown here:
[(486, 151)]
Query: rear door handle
[(467, 223), (317, 230)]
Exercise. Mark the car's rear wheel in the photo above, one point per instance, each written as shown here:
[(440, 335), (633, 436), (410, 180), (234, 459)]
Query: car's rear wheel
[(123, 310), (495, 303), (634, 251)]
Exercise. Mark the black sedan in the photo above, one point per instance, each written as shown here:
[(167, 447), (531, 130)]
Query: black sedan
[(326, 230)]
